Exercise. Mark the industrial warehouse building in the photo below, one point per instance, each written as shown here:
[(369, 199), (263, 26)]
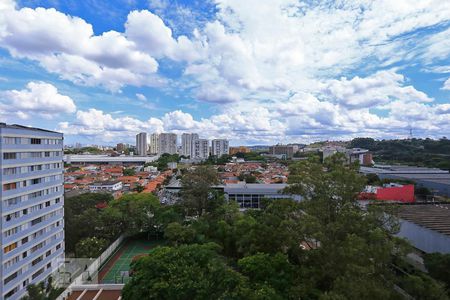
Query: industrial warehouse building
[(107, 160), (438, 181), (426, 226)]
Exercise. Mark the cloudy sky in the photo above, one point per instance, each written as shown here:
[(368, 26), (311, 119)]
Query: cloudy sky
[(256, 72)]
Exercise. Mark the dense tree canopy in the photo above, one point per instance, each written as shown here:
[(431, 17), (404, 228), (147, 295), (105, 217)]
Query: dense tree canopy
[(130, 214), (438, 266), (129, 172), (353, 248), (81, 217), (184, 272), (197, 193), (421, 152)]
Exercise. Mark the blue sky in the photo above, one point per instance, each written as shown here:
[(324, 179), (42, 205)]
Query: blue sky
[(250, 71)]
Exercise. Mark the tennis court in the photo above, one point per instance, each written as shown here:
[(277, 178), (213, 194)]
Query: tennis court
[(117, 268)]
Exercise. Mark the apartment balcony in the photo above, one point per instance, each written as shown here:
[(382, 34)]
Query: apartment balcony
[(31, 188), (26, 203), (29, 147), (20, 278), (40, 278), (34, 174), (34, 255), (6, 163), (21, 234)]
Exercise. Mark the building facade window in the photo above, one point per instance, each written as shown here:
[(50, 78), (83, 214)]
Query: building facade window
[(9, 155), (10, 247)]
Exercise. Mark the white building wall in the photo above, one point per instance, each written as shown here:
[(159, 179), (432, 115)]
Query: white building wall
[(32, 215)]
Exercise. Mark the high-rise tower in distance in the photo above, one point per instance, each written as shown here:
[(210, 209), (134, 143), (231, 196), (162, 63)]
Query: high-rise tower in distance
[(167, 143), (154, 143), (219, 147), (187, 142), (141, 144)]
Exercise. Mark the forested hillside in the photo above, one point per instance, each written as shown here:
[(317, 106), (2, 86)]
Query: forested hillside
[(418, 152)]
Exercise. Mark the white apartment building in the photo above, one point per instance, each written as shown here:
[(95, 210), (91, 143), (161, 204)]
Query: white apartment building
[(187, 143), (154, 143), (141, 144), (219, 147), (200, 149), (32, 214), (167, 143)]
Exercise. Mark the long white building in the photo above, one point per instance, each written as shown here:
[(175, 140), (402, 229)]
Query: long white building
[(32, 214), (167, 143), (219, 147), (187, 140), (200, 149), (142, 144)]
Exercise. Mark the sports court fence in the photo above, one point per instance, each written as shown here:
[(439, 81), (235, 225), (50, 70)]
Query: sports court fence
[(91, 272)]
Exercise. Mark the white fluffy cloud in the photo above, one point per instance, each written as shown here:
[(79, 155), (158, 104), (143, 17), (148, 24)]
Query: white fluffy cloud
[(446, 85), (375, 90), (279, 65), (38, 98), (152, 36), (276, 45), (141, 97), (303, 117), (100, 126), (287, 45), (217, 93), (67, 46)]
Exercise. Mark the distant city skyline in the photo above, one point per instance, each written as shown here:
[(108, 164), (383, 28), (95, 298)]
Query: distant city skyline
[(253, 72)]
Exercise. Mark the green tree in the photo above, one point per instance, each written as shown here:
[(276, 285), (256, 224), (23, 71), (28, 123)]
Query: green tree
[(352, 249), (90, 247), (366, 143), (179, 234), (220, 226), (373, 179), (139, 188), (196, 192), (276, 228), (82, 218), (438, 266), (273, 270), (165, 158), (129, 172), (422, 286), (166, 215), (43, 291), (36, 292), (133, 213), (184, 272)]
